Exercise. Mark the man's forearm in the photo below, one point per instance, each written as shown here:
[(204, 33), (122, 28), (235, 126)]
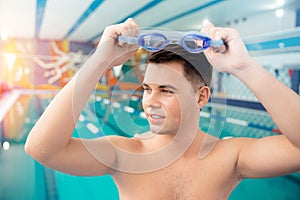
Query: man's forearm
[(54, 129), (281, 102)]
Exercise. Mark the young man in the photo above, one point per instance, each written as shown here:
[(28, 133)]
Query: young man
[(165, 163)]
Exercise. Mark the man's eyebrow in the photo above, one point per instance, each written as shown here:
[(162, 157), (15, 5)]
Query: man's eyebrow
[(167, 86), (161, 86)]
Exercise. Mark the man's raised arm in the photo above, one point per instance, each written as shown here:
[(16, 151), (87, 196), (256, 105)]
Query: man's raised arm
[(269, 156), (50, 141)]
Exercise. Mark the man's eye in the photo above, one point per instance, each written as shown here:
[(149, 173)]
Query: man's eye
[(145, 88), (167, 91)]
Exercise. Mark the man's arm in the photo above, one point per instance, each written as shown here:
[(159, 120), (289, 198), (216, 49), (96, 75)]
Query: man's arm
[(269, 156), (277, 155), (50, 142)]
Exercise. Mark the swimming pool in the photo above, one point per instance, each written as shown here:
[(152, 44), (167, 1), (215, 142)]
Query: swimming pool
[(23, 178)]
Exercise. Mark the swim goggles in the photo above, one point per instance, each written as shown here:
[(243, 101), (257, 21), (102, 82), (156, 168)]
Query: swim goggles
[(193, 42)]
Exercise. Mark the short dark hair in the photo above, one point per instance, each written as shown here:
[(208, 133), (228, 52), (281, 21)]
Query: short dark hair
[(197, 69)]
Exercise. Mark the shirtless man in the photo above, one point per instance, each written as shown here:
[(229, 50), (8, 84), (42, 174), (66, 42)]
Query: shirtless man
[(165, 164)]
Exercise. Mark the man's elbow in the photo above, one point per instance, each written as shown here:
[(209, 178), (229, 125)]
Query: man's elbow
[(37, 153), (28, 148)]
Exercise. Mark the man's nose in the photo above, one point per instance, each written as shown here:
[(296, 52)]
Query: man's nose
[(152, 99)]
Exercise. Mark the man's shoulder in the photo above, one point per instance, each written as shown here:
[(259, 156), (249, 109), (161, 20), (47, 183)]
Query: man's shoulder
[(236, 142), (230, 148), (225, 146), (122, 142)]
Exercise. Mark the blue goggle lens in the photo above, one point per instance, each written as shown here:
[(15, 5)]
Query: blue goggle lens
[(194, 43), (153, 42)]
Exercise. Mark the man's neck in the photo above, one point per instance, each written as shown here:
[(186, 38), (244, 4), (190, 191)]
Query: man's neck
[(190, 145)]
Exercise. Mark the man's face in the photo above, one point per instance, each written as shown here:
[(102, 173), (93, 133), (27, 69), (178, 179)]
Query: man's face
[(168, 97)]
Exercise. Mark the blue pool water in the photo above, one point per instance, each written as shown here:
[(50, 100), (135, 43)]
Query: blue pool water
[(22, 178)]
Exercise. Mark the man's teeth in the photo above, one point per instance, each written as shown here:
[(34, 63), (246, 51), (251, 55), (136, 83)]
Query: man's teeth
[(156, 116)]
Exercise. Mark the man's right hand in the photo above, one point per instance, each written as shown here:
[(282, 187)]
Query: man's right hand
[(115, 52)]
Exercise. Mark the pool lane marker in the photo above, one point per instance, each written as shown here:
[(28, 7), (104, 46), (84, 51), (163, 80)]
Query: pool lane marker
[(142, 114), (129, 109), (91, 127), (81, 118), (120, 106), (237, 121), (242, 123), (116, 105), (94, 129), (106, 101)]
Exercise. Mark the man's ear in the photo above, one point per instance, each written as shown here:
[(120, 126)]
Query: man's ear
[(202, 96)]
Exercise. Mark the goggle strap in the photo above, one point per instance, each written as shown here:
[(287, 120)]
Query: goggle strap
[(128, 40), (216, 43)]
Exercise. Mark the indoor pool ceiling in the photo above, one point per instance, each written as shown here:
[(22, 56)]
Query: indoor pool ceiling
[(84, 20)]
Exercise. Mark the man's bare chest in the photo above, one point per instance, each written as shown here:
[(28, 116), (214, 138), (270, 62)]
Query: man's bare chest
[(185, 180)]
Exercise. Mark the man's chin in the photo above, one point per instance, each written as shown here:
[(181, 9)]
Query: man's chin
[(157, 130), (161, 131)]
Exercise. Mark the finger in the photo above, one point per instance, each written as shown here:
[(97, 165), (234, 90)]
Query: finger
[(221, 49), (134, 27), (207, 28), (132, 23), (124, 28), (223, 34), (131, 27), (209, 24)]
